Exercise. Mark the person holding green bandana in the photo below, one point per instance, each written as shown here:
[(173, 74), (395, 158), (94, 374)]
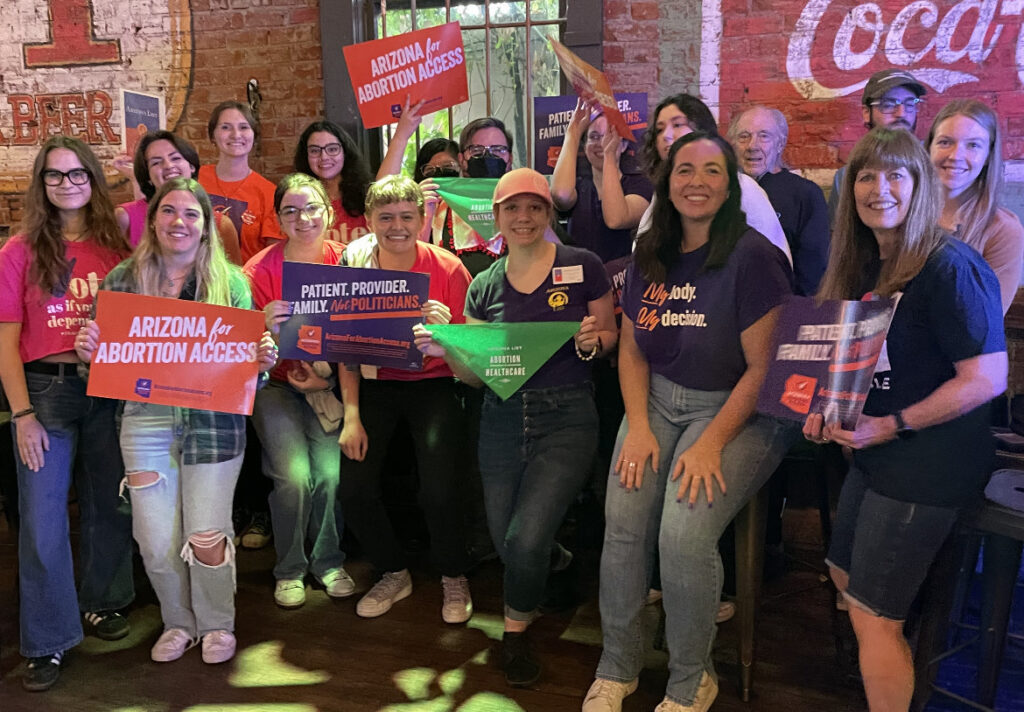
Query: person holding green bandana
[(537, 445)]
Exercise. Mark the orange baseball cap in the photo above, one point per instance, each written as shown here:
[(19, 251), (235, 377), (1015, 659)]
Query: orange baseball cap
[(522, 181)]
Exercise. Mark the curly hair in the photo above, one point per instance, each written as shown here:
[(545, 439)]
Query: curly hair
[(41, 224), (355, 175)]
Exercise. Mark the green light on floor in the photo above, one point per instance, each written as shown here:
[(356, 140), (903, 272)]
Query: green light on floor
[(253, 707), (489, 702), (261, 665), (490, 625), (414, 682)]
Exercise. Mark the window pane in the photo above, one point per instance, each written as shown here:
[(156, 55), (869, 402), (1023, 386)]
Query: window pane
[(398, 21), (508, 12), (545, 9), (471, 13), (430, 17), (509, 99), (476, 72)]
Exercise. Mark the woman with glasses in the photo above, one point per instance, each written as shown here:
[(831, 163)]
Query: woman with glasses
[(49, 274), (300, 444), (182, 463), (966, 151), (239, 192), (159, 157), (327, 152), (605, 196)]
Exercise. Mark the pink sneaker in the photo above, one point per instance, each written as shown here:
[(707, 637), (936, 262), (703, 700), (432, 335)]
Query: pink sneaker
[(218, 647), (171, 645)]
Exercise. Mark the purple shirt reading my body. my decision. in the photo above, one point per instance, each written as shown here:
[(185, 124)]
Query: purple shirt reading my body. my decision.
[(689, 327), (582, 279)]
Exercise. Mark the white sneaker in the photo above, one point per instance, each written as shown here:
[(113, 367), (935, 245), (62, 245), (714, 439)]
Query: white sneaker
[(607, 695), (458, 605), (218, 647), (392, 587), (706, 694), (290, 593), (338, 583), (171, 645)]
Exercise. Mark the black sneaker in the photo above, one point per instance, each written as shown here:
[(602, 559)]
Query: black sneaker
[(106, 625), (521, 670), (42, 672)]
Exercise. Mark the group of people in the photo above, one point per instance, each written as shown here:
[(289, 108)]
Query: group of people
[(718, 233)]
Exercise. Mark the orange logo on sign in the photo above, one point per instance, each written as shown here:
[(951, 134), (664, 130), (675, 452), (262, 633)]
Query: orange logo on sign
[(798, 393), (310, 339)]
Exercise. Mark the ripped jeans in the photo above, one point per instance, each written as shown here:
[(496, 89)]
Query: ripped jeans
[(186, 506)]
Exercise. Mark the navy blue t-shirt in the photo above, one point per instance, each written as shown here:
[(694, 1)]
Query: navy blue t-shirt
[(949, 312), (586, 222), (803, 214), (492, 298), (689, 327)]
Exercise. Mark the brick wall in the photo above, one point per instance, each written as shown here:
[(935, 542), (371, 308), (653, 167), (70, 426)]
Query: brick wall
[(226, 42)]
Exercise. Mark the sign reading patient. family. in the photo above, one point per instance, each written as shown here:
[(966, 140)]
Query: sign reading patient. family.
[(352, 315), (824, 359), (175, 352), (427, 65)]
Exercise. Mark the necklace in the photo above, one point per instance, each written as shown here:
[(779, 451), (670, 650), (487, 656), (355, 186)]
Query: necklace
[(220, 186)]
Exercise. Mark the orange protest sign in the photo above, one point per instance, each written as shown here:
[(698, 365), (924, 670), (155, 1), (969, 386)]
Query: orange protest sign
[(591, 85), (175, 352), (426, 65)]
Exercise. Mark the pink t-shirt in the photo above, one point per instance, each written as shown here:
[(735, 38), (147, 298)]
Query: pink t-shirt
[(49, 322), (264, 273), (136, 211)]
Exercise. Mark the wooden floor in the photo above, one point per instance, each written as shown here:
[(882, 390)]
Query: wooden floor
[(323, 657)]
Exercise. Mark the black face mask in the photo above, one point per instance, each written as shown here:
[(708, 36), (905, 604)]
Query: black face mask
[(486, 166), (446, 172)]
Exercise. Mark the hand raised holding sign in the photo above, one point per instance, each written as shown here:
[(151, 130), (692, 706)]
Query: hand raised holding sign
[(266, 352), (87, 340), (276, 313)]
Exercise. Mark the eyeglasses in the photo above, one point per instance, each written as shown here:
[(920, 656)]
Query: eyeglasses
[(475, 151), (311, 211), (77, 176), (431, 171), (331, 149), (888, 106)]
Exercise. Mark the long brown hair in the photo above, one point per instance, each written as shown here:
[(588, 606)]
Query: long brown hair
[(41, 224), (854, 248), (214, 272), (982, 200)]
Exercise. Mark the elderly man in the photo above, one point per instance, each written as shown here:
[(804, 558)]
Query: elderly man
[(759, 136)]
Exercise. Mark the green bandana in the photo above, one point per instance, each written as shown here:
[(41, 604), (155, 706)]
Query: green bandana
[(504, 355), (472, 200)]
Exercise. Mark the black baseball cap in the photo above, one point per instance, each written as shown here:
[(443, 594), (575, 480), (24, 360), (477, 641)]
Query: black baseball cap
[(881, 82)]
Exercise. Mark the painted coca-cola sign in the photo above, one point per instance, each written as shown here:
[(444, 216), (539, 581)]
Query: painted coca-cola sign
[(812, 58)]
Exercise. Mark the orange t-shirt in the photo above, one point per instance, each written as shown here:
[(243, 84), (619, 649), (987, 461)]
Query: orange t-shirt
[(249, 204)]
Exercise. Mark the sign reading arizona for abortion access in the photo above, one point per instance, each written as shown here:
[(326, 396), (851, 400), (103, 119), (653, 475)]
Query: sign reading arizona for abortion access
[(63, 63), (427, 65), (352, 315), (174, 352), (812, 58)]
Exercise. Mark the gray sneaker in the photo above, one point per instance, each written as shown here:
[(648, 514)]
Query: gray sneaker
[(392, 587)]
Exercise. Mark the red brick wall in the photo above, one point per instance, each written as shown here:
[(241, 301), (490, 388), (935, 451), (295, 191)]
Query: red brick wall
[(274, 41)]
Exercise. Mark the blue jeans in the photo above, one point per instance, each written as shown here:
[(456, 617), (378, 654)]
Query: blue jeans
[(184, 500), (691, 568), (50, 620), (536, 449), (304, 463)]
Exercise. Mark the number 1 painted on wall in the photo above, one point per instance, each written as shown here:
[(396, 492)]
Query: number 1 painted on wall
[(72, 40)]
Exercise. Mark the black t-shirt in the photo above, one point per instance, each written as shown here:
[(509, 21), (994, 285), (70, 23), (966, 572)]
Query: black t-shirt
[(803, 214), (948, 313)]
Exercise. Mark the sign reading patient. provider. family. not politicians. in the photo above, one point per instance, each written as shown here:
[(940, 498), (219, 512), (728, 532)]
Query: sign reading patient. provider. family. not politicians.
[(175, 352), (427, 65), (352, 315)]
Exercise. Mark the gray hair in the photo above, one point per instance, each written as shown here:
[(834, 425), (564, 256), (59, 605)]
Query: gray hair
[(777, 117)]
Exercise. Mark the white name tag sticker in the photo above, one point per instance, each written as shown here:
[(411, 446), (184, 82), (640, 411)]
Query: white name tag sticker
[(567, 275)]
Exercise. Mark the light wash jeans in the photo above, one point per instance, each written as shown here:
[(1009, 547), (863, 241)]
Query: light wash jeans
[(304, 463), (691, 568), (185, 500), (83, 442)]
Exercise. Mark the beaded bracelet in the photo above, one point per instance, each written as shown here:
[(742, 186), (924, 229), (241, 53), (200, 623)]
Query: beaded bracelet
[(593, 352)]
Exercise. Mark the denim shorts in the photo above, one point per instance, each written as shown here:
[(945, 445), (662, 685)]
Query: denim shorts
[(886, 546)]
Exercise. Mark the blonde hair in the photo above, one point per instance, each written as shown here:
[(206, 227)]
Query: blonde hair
[(853, 243), (214, 272), (393, 189), (982, 201)]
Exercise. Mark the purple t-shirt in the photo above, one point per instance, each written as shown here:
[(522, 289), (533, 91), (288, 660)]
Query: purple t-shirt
[(492, 298), (689, 327), (586, 222)]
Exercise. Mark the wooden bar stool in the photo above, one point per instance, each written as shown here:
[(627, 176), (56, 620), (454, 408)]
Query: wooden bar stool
[(750, 533)]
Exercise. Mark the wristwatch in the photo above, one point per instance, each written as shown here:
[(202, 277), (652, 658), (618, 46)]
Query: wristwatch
[(903, 431)]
